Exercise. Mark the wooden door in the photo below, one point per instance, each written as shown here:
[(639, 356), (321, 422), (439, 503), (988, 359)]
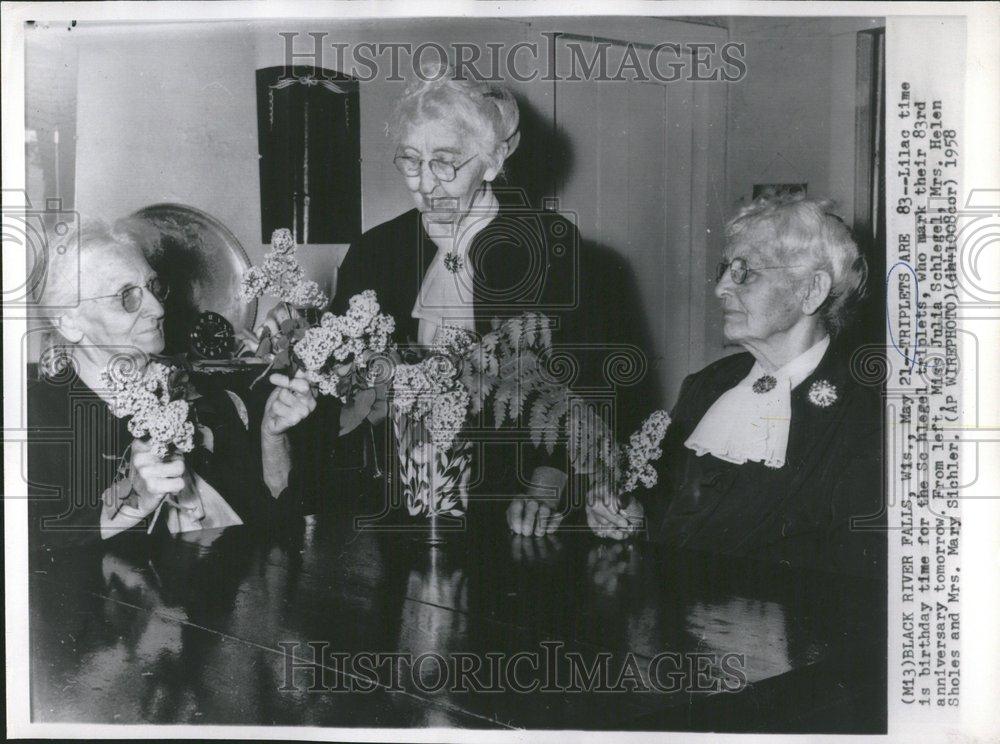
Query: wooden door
[(645, 184)]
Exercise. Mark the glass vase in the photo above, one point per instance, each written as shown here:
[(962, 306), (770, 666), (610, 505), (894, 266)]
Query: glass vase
[(433, 480)]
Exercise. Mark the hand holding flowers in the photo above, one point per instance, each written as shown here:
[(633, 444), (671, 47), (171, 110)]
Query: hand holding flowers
[(154, 477), (607, 515), (155, 399)]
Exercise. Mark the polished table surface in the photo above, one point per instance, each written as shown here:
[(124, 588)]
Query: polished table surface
[(213, 628)]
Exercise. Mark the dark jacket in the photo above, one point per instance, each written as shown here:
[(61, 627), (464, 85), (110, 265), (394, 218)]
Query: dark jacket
[(799, 514), (75, 445)]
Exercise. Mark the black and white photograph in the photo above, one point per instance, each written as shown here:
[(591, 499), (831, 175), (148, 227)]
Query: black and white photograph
[(377, 373)]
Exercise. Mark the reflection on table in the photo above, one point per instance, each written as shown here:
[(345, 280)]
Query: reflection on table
[(316, 623)]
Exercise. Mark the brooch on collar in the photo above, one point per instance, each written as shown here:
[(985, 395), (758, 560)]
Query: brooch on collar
[(823, 393), (764, 384), (452, 262)]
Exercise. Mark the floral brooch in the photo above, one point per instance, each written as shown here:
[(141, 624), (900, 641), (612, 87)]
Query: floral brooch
[(823, 393), (452, 262), (764, 384)]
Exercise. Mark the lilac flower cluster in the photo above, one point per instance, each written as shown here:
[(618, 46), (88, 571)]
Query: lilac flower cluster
[(643, 448), (281, 276), (144, 395), (344, 339), (432, 394), (453, 341)]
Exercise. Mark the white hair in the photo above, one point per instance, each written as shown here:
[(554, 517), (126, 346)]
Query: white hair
[(487, 111), (790, 225)]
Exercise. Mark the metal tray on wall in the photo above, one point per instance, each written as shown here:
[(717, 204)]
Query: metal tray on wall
[(202, 262)]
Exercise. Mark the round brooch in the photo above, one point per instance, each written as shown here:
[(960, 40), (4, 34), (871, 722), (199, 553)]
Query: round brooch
[(452, 262), (822, 393), (764, 384)]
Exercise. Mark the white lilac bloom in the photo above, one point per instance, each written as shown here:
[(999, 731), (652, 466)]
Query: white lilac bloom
[(282, 241), (145, 398), (643, 448), (281, 276), (452, 340), (315, 347), (430, 393)]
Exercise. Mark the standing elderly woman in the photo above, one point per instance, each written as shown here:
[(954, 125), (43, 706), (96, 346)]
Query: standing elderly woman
[(465, 254), (773, 452), (105, 303)]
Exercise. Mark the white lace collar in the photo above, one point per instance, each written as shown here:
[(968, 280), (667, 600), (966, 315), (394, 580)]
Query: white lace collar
[(750, 422)]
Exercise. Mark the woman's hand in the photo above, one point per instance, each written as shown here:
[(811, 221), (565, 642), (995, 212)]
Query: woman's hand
[(153, 478), (608, 520), (289, 403), (529, 516), (537, 513)]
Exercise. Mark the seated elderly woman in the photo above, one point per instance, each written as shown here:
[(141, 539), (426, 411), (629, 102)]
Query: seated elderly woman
[(772, 453), (104, 303)]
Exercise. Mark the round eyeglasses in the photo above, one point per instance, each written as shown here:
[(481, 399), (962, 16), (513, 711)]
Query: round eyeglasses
[(131, 297), (739, 270), (443, 170)]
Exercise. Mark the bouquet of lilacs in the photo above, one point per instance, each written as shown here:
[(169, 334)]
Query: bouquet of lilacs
[(432, 393), (155, 400), (351, 356), (280, 276)]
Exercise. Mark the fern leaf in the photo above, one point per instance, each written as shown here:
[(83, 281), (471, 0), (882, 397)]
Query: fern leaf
[(505, 392), (537, 421), (529, 329), (546, 333), (515, 330)]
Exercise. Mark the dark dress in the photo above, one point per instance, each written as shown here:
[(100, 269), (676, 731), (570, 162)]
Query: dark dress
[(799, 514), (75, 445), (524, 260)]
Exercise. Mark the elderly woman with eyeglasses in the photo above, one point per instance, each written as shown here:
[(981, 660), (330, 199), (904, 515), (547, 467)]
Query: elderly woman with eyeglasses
[(776, 453), (105, 305), (466, 253)]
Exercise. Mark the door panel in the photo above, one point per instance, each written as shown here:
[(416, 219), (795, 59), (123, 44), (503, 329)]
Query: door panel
[(645, 159)]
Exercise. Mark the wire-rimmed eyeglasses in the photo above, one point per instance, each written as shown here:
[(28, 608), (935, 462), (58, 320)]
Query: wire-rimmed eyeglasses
[(739, 269), (443, 170), (131, 297)]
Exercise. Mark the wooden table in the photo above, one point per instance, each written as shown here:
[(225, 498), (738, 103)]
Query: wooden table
[(205, 631)]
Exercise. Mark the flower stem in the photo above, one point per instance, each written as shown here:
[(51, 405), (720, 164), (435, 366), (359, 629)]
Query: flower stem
[(263, 374)]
